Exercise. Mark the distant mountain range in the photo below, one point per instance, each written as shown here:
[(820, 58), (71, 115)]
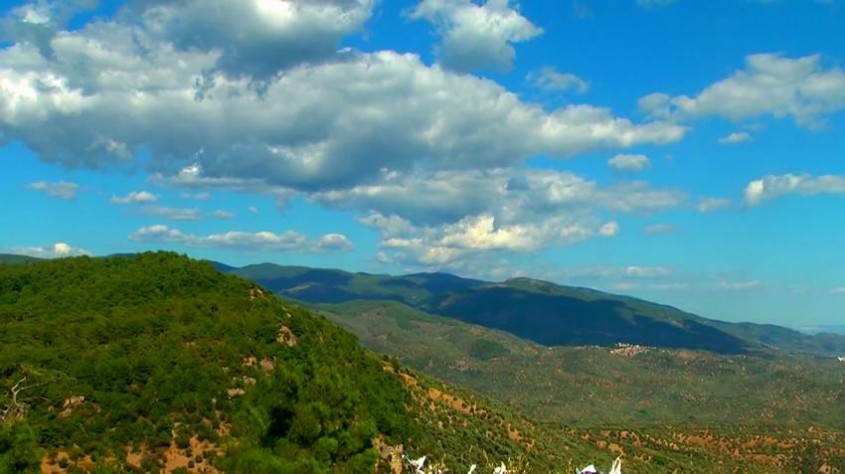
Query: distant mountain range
[(540, 311)]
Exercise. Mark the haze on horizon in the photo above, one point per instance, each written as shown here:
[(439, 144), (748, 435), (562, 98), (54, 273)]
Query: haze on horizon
[(687, 155)]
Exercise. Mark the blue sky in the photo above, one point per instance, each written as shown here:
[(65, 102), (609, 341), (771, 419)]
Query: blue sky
[(685, 152)]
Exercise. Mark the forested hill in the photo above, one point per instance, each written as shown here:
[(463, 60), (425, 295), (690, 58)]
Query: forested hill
[(142, 353), (158, 361)]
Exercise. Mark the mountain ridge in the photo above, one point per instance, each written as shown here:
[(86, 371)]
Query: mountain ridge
[(612, 318)]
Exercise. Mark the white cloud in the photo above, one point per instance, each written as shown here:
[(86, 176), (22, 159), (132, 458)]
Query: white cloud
[(135, 197), (549, 79), (739, 285), (773, 186), (476, 36), (511, 195), (647, 272), (470, 212), (629, 163), (734, 138), (632, 271), (713, 204), (252, 209), (380, 133), (257, 241), (660, 229), (838, 291), (61, 189), (770, 84), (38, 21), (331, 124), (180, 214), (610, 229), (337, 242), (223, 214), (242, 32), (161, 233), (57, 250)]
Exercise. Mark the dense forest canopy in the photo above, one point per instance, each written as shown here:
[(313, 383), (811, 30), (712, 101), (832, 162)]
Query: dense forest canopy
[(139, 353)]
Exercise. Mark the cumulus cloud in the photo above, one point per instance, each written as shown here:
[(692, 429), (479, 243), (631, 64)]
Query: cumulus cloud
[(476, 36), (331, 124), (465, 213), (548, 79), (257, 241), (338, 242), (256, 38), (713, 204), (374, 132), (57, 250), (770, 85), (629, 163), (60, 189), (135, 197), (38, 21), (512, 195), (502, 203), (773, 186), (734, 138)]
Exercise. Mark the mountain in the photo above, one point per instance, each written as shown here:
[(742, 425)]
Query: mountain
[(542, 312), (157, 362)]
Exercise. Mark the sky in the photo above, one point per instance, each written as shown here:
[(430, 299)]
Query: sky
[(690, 153)]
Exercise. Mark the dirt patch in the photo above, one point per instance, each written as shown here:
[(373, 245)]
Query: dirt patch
[(286, 336)]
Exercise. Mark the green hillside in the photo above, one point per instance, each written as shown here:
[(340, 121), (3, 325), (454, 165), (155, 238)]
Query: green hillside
[(156, 362), (542, 312)]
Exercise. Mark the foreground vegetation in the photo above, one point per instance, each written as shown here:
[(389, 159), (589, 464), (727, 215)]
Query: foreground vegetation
[(139, 354)]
